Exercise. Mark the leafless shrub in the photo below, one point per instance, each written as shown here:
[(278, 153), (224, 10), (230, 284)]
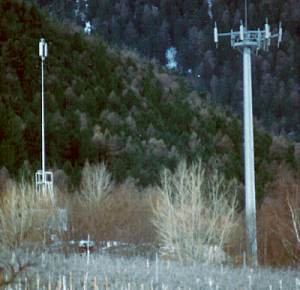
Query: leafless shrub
[(13, 265), (293, 203), (117, 212), (24, 215), (195, 211), (27, 220), (96, 183), (279, 221)]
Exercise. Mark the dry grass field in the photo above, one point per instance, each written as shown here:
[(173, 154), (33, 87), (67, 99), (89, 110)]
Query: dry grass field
[(103, 271)]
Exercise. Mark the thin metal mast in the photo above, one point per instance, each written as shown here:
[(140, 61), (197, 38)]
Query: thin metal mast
[(43, 178), (246, 14), (43, 55), (247, 41)]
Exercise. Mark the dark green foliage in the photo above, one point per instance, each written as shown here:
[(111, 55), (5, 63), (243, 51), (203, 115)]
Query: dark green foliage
[(152, 26), (104, 104), (12, 151)]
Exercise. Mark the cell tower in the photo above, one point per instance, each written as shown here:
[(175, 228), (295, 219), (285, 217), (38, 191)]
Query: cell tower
[(248, 41), (43, 178)]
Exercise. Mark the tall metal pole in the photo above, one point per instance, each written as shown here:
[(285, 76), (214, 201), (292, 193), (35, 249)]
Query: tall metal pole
[(43, 52), (247, 41), (249, 159), (43, 178), (43, 129)]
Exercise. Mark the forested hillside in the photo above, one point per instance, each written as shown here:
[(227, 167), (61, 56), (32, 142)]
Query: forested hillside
[(153, 26), (104, 104)]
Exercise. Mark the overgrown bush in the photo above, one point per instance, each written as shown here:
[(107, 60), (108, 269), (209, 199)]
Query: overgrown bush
[(107, 211), (279, 221), (25, 215), (195, 212), (96, 183)]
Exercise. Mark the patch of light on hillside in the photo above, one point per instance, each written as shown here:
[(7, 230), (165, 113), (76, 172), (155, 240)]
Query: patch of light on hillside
[(88, 28), (171, 58), (210, 3)]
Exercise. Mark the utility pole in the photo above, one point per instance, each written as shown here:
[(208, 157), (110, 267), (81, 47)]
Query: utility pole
[(44, 179), (43, 51), (248, 41)]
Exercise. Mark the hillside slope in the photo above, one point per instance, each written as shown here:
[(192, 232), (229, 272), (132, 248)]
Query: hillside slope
[(153, 26), (109, 105)]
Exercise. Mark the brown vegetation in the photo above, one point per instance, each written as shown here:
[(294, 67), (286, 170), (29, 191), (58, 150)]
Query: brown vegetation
[(109, 211), (195, 213), (11, 272), (278, 224), (279, 221), (189, 212), (1, 276), (124, 215), (24, 215)]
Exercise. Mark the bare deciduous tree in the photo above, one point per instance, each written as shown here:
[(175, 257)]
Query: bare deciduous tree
[(195, 213)]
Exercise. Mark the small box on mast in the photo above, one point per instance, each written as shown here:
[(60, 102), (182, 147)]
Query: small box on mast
[(43, 49)]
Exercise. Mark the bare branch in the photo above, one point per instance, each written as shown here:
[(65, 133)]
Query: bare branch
[(295, 220)]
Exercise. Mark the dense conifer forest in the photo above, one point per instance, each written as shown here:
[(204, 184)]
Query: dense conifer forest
[(152, 26), (112, 105)]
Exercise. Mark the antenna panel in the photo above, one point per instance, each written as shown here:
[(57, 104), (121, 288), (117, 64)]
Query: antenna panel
[(267, 31), (241, 32), (216, 34), (41, 49), (45, 50), (280, 33)]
